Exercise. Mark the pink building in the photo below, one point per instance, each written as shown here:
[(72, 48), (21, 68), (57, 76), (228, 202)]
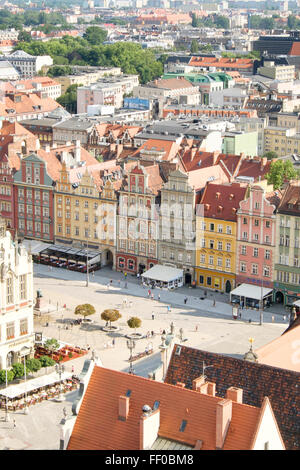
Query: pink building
[(256, 238)]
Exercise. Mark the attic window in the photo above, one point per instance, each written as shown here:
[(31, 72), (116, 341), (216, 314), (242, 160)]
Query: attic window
[(183, 425), (156, 405), (178, 351), (128, 393)]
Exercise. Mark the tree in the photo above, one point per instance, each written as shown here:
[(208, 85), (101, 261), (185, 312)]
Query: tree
[(46, 361), (51, 345), (10, 376), (69, 99), (270, 155), (281, 172), (221, 22), (24, 36), (18, 370), (95, 35), (110, 315), (194, 46), (33, 365), (134, 322), (85, 310)]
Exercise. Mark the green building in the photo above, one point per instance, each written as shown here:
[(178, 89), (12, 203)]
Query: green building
[(237, 142), (198, 78), (287, 256)]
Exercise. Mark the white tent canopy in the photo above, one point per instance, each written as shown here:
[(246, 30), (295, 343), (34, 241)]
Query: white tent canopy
[(251, 292), (164, 274), (35, 246), (17, 390), (297, 303)]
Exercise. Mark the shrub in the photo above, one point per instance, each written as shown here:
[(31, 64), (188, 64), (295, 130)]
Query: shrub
[(18, 370), (70, 355), (134, 322), (10, 376), (33, 365), (110, 315), (46, 361)]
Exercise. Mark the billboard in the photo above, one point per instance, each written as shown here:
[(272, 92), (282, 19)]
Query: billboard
[(136, 103)]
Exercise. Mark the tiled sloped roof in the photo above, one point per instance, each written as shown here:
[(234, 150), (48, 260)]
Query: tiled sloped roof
[(171, 83), (169, 148), (291, 199), (221, 201), (98, 428), (53, 164), (295, 323), (28, 102), (254, 167), (281, 386), (281, 351)]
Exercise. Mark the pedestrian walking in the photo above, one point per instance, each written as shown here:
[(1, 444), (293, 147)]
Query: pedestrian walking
[(152, 316), (107, 286), (93, 273), (152, 333), (152, 296), (168, 308), (111, 282), (119, 281), (185, 300), (14, 423), (73, 370), (196, 328), (113, 342), (158, 297), (149, 293)]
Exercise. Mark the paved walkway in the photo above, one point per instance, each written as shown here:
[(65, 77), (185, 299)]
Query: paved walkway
[(205, 327)]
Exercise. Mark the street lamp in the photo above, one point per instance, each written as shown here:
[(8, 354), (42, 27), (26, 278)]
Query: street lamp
[(6, 401), (163, 349), (87, 261), (60, 368), (25, 406), (131, 346)]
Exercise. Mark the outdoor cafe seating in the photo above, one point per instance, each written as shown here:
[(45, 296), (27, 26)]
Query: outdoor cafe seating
[(44, 388)]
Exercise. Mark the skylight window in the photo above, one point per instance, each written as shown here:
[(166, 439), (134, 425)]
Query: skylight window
[(128, 393), (156, 405), (183, 425)]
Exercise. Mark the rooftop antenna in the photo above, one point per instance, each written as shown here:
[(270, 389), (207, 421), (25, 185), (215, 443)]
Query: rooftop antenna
[(204, 367)]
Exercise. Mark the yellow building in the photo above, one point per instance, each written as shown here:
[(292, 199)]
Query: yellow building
[(85, 213), (216, 236), (281, 140)]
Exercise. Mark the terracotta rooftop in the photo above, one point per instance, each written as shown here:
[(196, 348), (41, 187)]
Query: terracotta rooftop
[(98, 428), (281, 351), (222, 62), (256, 168), (28, 103), (290, 202), (221, 201), (171, 83), (281, 386)]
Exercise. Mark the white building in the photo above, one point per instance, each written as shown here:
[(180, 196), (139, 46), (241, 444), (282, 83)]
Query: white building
[(16, 301), (107, 91), (7, 71), (27, 65)]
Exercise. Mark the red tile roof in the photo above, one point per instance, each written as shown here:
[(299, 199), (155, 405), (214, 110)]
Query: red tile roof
[(221, 201), (225, 63), (97, 425), (257, 381)]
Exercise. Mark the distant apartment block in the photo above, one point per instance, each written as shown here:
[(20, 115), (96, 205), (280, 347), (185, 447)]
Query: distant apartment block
[(86, 76), (107, 91), (27, 65)]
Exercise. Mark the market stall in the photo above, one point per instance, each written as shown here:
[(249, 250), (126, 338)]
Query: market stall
[(163, 276)]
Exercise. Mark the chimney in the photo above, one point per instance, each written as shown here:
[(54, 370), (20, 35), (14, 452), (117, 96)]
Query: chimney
[(211, 389), (263, 162), (235, 394), (77, 152), (47, 148), (123, 408), (119, 150), (149, 427), (193, 153), (198, 382), (54, 146), (215, 156), (223, 419), (180, 384)]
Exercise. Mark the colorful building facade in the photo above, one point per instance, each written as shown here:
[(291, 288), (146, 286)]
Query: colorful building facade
[(216, 236), (287, 258), (256, 238), (33, 195), (137, 220)]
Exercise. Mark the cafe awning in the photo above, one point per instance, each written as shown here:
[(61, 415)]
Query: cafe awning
[(163, 273), (17, 390), (297, 303), (250, 291)]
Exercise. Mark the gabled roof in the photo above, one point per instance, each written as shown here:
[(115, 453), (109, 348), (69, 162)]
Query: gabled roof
[(97, 426), (281, 386), (281, 352), (290, 202), (221, 201)]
